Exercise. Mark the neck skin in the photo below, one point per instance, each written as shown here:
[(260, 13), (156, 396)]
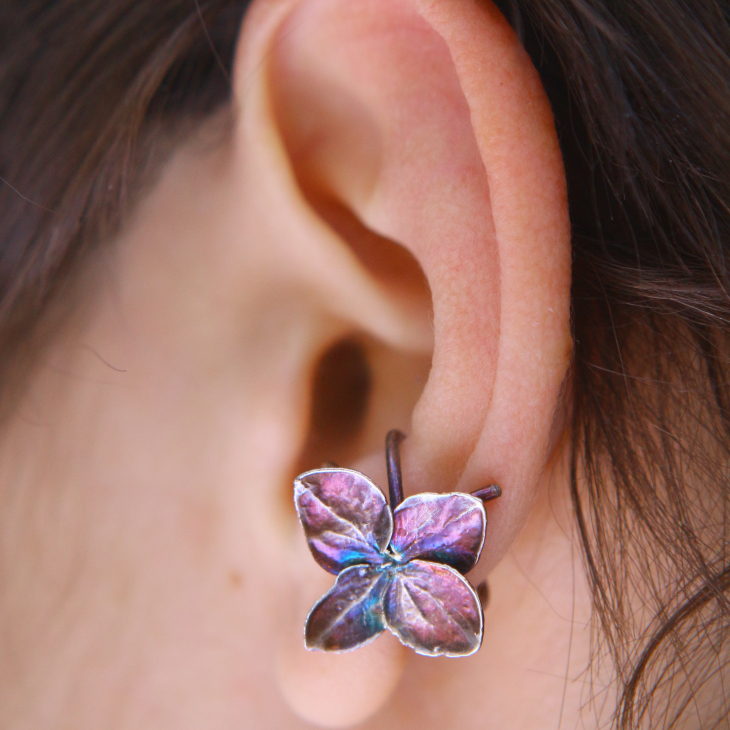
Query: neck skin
[(147, 559)]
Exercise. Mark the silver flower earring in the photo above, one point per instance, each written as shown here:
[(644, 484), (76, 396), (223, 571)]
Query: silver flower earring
[(399, 567)]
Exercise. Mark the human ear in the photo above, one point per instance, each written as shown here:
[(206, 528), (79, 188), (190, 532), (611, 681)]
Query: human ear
[(364, 129)]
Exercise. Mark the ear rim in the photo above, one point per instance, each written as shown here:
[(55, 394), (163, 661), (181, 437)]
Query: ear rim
[(489, 460)]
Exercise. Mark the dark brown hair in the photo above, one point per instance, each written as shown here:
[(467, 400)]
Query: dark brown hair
[(640, 93)]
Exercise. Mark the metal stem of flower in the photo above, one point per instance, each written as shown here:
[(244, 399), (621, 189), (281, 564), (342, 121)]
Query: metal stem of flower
[(486, 493), (392, 459), (395, 479)]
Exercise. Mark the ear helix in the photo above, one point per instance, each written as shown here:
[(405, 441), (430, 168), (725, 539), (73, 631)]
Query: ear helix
[(393, 440)]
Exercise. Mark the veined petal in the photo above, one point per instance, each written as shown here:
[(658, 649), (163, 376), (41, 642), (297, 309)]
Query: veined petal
[(351, 613), (345, 517), (446, 528), (433, 609)]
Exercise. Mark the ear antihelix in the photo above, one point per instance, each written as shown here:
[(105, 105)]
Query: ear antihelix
[(336, 155), (517, 140)]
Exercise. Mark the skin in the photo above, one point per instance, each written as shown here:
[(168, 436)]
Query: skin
[(153, 571)]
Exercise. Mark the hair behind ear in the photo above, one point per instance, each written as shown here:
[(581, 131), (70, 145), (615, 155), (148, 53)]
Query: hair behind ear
[(650, 307)]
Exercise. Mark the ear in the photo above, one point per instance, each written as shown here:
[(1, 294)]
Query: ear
[(367, 130)]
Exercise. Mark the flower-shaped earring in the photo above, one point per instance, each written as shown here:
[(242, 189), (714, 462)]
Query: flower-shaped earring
[(399, 567)]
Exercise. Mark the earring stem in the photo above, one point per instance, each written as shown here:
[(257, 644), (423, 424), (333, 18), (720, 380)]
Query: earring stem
[(486, 493), (392, 459)]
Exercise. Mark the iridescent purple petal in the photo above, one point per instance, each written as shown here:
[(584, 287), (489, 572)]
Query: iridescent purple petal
[(351, 613), (345, 517), (432, 609), (445, 528)]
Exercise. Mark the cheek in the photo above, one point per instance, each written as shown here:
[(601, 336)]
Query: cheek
[(145, 549)]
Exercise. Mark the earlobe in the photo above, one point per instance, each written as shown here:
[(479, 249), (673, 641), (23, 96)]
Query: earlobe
[(422, 125)]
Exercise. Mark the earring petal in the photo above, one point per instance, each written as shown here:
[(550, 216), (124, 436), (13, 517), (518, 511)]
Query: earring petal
[(446, 528), (433, 609), (345, 517), (351, 613)]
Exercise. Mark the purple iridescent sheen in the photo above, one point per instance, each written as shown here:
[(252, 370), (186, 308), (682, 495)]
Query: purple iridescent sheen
[(444, 528), (351, 613), (432, 609), (410, 584), (345, 517)]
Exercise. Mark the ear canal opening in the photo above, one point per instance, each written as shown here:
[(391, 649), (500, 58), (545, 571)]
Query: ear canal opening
[(361, 388), (341, 388)]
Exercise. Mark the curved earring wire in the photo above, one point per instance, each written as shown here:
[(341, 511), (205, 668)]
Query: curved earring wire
[(392, 460), (395, 479)]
